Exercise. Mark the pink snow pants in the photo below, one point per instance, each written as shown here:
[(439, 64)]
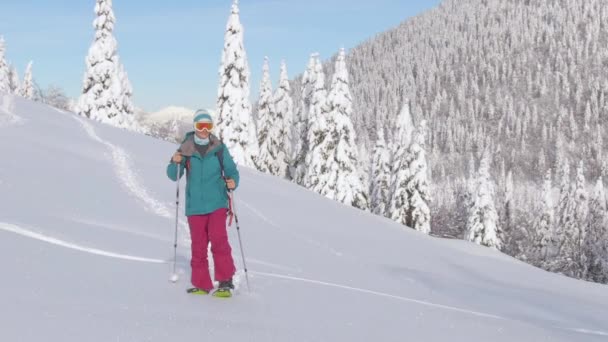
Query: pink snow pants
[(205, 229)]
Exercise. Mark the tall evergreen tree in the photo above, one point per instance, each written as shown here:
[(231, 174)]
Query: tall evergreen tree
[(483, 226), (578, 234), (27, 87), (399, 203), (346, 181), (565, 217), (14, 82), (596, 246), (103, 93), (283, 104), (235, 121), (381, 175), (302, 122), (271, 158), (544, 226), (417, 184), (319, 159), (266, 111), (127, 119), (4, 69)]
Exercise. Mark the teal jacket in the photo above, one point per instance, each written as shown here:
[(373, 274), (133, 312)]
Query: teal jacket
[(205, 188)]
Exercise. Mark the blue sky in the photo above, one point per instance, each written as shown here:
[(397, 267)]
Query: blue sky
[(172, 49)]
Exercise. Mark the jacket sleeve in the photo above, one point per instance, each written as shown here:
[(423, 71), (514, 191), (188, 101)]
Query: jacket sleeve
[(230, 168), (172, 170)]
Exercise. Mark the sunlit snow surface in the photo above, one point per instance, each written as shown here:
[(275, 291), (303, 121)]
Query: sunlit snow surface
[(86, 243)]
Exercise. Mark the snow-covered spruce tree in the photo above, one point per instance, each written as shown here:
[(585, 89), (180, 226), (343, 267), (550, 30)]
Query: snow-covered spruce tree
[(578, 237), (127, 118), (346, 180), (381, 175), (319, 159), (271, 158), (564, 216), (102, 97), (399, 202), (483, 227), (14, 82), (417, 184), (235, 124), (509, 199), (265, 105), (596, 246), (27, 87), (568, 241), (283, 105), (302, 123), (544, 226), (4, 69)]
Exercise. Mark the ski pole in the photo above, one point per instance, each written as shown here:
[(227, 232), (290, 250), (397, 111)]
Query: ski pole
[(238, 230), (174, 276)]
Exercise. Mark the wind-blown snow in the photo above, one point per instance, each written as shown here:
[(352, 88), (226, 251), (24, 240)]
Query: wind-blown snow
[(88, 259), (7, 117)]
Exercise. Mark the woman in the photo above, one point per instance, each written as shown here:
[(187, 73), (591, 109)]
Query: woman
[(210, 173)]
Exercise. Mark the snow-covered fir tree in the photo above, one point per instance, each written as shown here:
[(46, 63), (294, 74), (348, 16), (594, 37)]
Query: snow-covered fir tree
[(127, 117), (265, 115), (568, 255), (14, 82), (578, 234), (302, 123), (564, 217), (235, 124), (596, 246), (346, 180), (381, 175), (417, 184), (271, 158), (4, 69), (544, 226), (103, 95), (27, 87), (483, 225), (509, 199), (319, 158), (399, 201), (283, 105)]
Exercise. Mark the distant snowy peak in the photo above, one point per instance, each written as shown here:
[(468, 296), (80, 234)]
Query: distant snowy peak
[(167, 114)]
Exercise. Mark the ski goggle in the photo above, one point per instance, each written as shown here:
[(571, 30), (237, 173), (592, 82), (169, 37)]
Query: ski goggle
[(200, 126)]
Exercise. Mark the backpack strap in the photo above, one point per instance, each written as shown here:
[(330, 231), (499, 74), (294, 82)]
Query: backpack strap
[(187, 166), (220, 157)]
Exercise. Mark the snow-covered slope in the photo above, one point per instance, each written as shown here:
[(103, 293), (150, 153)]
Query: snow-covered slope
[(86, 230)]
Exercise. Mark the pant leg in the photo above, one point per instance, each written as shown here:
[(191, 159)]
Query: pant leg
[(220, 246), (200, 240)]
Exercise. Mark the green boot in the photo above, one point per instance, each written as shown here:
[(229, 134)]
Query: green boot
[(224, 290), (197, 291)]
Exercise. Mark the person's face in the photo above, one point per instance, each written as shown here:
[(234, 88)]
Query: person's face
[(204, 134)]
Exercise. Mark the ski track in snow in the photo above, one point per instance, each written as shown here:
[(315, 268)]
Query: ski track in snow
[(126, 175), (41, 237), (380, 294), (27, 233), (420, 302), (587, 331)]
